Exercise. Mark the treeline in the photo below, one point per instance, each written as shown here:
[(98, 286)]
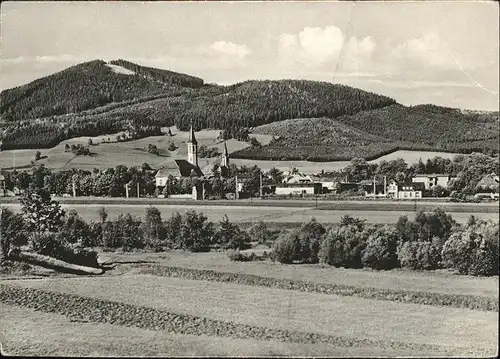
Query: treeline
[(51, 132), (81, 87), (431, 241), (165, 76), (112, 182), (466, 171)]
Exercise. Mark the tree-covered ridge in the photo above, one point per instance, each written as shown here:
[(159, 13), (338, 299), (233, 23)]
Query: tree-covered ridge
[(316, 132), (78, 88), (254, 103), (165, 76), (427, 124), (371, 134), (229, 108)]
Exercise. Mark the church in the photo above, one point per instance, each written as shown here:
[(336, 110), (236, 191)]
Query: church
[(190, 168)]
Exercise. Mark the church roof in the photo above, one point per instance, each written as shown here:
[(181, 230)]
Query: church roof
[(183, 169)]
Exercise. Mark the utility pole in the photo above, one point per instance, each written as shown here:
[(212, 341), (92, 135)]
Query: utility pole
[(126, 190), (385, 186), (236, 187), (74, 187), (374, 186), (260, 191), (138, 190)]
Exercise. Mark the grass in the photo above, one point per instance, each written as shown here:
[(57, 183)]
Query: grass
[(459, 330), (398, 279), (129, 153), (247, 214), (31, 333)]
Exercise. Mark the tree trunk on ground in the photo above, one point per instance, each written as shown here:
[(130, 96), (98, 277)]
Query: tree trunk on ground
[(56, 264)]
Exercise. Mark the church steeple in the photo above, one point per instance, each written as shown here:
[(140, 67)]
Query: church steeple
[(225, 157), (192, 147)]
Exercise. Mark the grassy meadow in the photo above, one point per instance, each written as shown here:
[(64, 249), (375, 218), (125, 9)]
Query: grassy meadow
[(134, 153), (359, 326)]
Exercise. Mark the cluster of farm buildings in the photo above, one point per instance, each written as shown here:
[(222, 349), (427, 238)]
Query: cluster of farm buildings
[(296, 184)]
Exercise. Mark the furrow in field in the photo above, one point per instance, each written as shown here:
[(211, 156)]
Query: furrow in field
[(435, 299), (80, 308)]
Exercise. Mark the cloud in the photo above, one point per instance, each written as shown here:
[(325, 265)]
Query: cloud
[(324, 48), (230, 49), (45, 59), (313, 46), (428, 50), (358, 53)]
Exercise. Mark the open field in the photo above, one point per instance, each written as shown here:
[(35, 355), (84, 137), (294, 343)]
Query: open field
[(440, 281), (353, 322), (125, 312), (129, 153), (315, 167), (134, 153), (31, 333), (254, 214), (427, 204)]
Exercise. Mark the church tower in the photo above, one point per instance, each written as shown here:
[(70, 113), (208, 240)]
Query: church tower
[(225, 157), (192, 147)]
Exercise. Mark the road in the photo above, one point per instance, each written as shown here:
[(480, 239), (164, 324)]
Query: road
[(361, 205), (243, 213)]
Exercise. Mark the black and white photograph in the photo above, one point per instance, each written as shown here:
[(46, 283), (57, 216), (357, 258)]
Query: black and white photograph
[(249, 178)]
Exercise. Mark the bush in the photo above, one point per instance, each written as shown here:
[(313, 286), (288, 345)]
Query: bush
[(343, 245), (11, 232), (229, 236), (301, 245), (196, 232), (473, 249), (235, 256), (152, 230), (76, 230), (419, 255), (51, 245), (261, 234), (381, 249), (284, 248)]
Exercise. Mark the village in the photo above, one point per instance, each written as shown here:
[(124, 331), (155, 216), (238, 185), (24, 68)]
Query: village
[(295, 184)]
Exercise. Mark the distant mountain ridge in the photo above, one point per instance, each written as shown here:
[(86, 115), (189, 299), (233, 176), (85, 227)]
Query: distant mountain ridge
[(314, 119)]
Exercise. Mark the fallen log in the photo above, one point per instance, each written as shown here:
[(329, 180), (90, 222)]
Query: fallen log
[(53, 263)]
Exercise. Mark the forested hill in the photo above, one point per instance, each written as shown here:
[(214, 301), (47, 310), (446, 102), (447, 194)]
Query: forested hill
[(165, 76), (95, 98), (370, 134), (85, 86)]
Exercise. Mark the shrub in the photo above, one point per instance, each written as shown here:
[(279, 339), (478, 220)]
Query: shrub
[(76, 230), (171, 146), (260, 233), (427, 227), (473, 250), (11, 232), (229, 236), (196, 232), (235, 256), (380, 250), (343, 246), (419, 255), (284, 248), (301, 245), (38, 155), (152, 230)]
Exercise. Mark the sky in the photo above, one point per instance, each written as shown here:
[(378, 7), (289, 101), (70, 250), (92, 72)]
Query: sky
[(445, 53)]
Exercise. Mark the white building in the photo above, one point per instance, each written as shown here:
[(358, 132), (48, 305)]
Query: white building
[(298, 189), (432, 180), (405, 190)]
